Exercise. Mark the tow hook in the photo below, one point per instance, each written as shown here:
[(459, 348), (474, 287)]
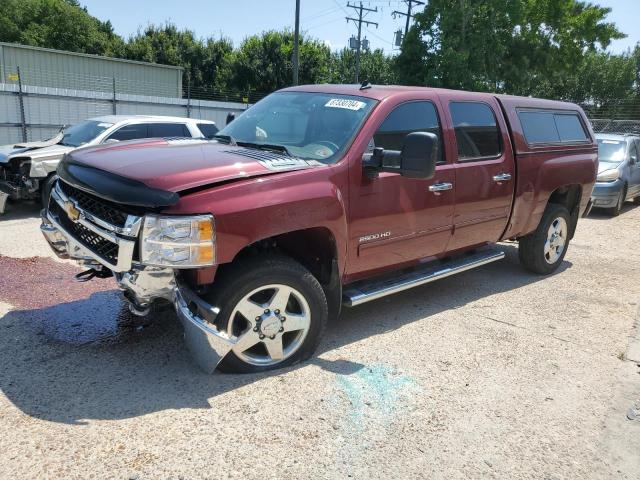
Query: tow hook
[(91, 274)]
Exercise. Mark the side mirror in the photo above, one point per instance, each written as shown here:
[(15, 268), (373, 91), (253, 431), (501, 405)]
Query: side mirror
[(417, 159), (111, 140), (633, 160)]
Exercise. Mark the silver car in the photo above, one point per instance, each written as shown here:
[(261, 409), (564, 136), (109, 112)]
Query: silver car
[(26, 170), (618, 173)]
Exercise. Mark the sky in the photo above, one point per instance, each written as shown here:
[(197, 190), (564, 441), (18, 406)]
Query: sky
[(322, 19)]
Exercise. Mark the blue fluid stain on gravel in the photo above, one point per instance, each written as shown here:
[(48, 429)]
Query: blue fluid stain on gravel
[(376, 387)]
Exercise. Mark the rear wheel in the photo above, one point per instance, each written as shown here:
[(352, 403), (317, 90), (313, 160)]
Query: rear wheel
[(543, 250), (275, 308)]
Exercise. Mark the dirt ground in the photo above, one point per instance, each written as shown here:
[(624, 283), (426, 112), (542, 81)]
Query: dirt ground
[(495, 373)]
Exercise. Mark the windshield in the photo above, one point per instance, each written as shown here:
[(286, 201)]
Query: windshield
[(611, 151), (82, 133), (312, 126)]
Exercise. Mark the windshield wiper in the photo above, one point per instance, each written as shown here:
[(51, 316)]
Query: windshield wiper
[(228, 139), (267, 146)]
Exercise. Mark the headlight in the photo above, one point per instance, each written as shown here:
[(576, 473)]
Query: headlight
[(608, 176), (179, 242)]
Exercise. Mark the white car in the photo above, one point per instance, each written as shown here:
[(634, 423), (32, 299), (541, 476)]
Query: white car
[(27, 169)]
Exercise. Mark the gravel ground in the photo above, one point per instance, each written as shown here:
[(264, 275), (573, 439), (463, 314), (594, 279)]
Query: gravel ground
[(494, 373)]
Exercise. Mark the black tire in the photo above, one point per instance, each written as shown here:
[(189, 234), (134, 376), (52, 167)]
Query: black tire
[(531, 248), (45, 191), (241, 278), (636, 201), (615, 211)]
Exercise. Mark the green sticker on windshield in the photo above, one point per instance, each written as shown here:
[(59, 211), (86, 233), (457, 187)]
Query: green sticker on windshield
[(345, 103)]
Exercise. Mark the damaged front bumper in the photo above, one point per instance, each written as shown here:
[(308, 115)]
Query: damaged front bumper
[(142, 285)]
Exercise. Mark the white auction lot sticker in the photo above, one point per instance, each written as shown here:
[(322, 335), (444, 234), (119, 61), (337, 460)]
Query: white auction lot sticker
[(345, 103)]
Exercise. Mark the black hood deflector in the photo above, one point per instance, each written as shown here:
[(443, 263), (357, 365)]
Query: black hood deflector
[(112, 187)]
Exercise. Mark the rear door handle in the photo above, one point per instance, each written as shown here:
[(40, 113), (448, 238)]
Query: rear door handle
[(502, 177), (440, 187)]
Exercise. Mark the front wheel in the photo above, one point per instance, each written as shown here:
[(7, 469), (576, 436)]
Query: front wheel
[(45, 191), (615, 211), (543, 250), (275, 308)]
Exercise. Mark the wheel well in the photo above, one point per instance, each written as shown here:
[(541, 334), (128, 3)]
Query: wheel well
[(314, 248), (569, 196)]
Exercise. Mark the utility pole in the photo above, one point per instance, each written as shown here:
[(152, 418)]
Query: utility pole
[(410, 4), (296, 42), (362, 11)]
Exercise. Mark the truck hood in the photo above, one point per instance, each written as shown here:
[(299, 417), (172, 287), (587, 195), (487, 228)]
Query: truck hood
[(178, 165)]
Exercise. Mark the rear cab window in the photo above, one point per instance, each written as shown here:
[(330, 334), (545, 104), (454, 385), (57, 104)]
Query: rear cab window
[(478, 136), (545, 127)]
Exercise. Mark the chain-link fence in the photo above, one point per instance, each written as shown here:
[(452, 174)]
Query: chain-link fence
[(615, 116)]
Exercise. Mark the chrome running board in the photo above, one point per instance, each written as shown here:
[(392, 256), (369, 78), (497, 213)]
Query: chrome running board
[(367, 290)]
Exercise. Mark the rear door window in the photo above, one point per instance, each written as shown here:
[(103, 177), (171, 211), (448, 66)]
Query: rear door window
[(166, 130), (548, 127), (477, 132), (130, 132), (405, 119)]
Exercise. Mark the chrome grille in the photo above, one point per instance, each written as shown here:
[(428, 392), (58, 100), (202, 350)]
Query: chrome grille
[(102, 209), (97, 244), (115, 246)]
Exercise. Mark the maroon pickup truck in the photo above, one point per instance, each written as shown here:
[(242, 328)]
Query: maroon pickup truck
[(320, 197)]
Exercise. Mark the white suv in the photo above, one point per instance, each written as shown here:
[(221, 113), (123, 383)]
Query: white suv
[(27, 169)]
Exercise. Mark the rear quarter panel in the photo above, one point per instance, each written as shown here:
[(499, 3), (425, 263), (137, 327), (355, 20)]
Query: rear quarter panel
[(543, 169)]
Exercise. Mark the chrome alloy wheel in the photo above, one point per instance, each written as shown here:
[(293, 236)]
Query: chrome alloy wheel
[(270, 324), (556, 240)]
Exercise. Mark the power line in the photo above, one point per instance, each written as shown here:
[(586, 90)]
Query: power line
[(362, 12), (321, 13)]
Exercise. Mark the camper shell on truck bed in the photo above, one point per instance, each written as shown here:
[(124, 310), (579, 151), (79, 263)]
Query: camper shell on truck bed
[(321, 196)]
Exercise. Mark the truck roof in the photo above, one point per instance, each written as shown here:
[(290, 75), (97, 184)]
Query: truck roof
[(380, 92)]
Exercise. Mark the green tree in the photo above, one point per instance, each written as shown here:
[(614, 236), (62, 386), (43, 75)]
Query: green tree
[(263, 63), (206, 62), (60, 24), (597, 78), (502, 45), (375, 66)]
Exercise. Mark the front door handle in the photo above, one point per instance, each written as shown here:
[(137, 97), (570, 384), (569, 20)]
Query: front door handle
[(440, 187), (502, 177)]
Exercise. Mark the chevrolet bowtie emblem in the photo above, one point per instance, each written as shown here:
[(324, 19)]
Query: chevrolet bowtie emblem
[(72, 211)]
